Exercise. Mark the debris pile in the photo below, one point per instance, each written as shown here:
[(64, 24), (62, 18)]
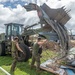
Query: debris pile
[(51, 66), (52, 46), (72, 43)]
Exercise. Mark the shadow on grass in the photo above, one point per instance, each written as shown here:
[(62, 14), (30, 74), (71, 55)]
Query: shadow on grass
[(25, 67), (5, 60)]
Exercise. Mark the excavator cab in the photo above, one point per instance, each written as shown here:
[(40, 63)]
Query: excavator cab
[(13, 29)]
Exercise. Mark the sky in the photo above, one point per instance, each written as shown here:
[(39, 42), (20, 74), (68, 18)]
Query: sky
[(13, 11)]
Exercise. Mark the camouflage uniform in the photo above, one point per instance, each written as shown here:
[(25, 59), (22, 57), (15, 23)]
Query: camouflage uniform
[(14, 55), (35, 56)]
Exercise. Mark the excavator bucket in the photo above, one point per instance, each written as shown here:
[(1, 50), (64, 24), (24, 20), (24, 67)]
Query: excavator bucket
[(60, 15), (53, 20)]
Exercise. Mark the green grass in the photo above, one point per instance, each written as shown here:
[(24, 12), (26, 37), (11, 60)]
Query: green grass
[(22, 68), (47, 54), (1, 73)]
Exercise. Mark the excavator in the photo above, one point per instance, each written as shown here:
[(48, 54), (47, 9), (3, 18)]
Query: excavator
[(12, 30), (51, 26)]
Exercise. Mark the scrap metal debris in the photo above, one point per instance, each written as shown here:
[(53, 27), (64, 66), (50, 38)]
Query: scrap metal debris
[(53, 20), (57, 69), (71, 57), (51, 66)]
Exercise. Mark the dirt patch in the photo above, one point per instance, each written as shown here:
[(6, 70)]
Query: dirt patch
[(52, 46)]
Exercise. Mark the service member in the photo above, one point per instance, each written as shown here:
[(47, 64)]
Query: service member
[(15, 49), (37, 49)]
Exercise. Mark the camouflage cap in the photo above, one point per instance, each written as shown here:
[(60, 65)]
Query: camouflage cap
[(15, 38)]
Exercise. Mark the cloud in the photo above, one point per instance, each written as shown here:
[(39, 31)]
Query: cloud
[(41, 2), (4, 16), (71, 23), (16, 15), (20, 15), (27, 1), (69, 4), (31, 18), (11, 0), (8, 15), (4, 0)]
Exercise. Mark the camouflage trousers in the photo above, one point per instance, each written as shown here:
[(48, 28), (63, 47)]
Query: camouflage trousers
[(37, 60), (14, 55)]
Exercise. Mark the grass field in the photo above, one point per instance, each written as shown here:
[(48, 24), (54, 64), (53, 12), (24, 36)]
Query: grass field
[(1, 73), (22, 68)]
